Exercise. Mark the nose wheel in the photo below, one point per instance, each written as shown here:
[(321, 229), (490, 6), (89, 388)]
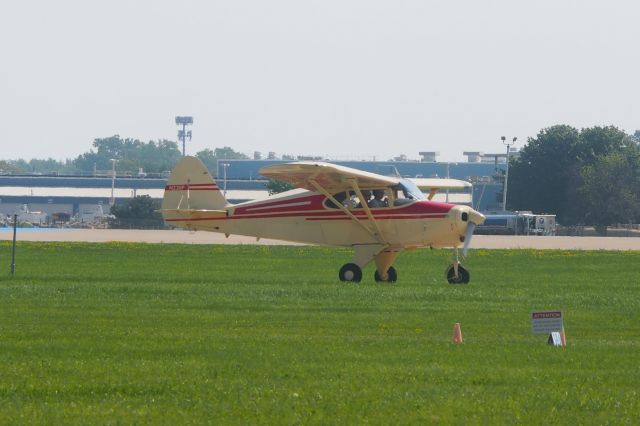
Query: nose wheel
[(456, 273), (351, 273)]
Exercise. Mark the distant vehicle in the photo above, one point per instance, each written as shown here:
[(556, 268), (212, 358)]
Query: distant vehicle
[(92, 214), (545, 224), (60, 217), (330, 206), (32, 217), (518, 223)]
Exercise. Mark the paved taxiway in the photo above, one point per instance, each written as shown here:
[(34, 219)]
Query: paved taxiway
[(200, 237)]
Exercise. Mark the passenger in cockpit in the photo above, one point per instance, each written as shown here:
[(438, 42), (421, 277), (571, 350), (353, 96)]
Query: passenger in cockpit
[(366, 194)]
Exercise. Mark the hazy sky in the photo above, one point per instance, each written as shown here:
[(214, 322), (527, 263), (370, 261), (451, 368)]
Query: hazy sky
[(342, 78)]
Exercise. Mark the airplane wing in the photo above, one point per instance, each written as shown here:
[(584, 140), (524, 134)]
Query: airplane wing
[(433, 185), (331, 177)]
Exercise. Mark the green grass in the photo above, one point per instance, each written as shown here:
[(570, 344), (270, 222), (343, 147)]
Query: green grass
[(177, 334)]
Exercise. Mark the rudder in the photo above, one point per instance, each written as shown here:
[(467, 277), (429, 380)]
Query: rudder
[(191, 187)]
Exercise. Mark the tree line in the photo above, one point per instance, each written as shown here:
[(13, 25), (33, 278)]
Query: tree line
[(131, 155), (589, 176)]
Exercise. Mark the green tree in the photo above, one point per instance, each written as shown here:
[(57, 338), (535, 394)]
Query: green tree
[(140, 212), (598, 141), (51, 165), (227, 153), (100, 159), (131, 155), (546, 178), (611, 188), (277, 186), (9, 167), (210, 158), (139, 207), (539, 180), (20, 166)]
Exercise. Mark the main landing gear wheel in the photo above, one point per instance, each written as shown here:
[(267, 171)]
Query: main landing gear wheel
[(462, 278), (350, 272), (392, 276)]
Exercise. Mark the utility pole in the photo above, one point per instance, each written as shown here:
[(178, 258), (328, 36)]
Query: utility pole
[(113, 180)]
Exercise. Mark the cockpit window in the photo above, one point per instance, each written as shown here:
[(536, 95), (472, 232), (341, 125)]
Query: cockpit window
[(410, 190), (376, 198), (406, 192), (339, 197)]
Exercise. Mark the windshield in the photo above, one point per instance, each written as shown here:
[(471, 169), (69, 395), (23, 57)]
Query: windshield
[(410, 190)]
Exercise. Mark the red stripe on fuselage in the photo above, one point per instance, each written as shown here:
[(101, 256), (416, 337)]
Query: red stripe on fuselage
[(395, 217), (284, 205), (336, 214), (417, 210), (316, 205)]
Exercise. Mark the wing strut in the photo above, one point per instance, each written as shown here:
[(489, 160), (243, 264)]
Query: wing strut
[(379, 236), (317, 186)]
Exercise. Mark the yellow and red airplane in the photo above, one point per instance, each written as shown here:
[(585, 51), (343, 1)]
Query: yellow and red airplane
[(378, 216)]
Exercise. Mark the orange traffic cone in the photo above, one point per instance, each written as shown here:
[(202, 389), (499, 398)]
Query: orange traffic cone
[(563, 339), (457, 333)]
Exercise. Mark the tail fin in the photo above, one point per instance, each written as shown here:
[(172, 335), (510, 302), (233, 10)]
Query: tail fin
[(190, 190)]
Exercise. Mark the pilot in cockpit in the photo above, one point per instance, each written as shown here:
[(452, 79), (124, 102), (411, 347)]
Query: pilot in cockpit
[(379, 199)]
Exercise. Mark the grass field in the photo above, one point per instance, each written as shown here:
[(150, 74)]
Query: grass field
[(177, 334)]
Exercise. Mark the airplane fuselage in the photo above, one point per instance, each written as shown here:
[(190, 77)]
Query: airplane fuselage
[(306, 217)]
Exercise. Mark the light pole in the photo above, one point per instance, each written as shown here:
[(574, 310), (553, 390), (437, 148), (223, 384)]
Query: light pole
[(183, 134), (506, 173), (225, 166), (448, 177), (113, 179)]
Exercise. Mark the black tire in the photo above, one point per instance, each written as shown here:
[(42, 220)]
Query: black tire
[(351, 273), (466, 275), (463, 275), (391, 278)]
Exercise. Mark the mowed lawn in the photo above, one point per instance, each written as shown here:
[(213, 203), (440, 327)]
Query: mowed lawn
[(177, 334)]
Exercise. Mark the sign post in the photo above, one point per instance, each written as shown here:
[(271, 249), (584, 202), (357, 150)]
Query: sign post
[(13, 249), (550, 323)]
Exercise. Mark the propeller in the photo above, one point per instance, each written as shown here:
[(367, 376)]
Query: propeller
[(467, 237)]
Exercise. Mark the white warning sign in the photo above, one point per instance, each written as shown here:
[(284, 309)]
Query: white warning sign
[(546, 322)]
